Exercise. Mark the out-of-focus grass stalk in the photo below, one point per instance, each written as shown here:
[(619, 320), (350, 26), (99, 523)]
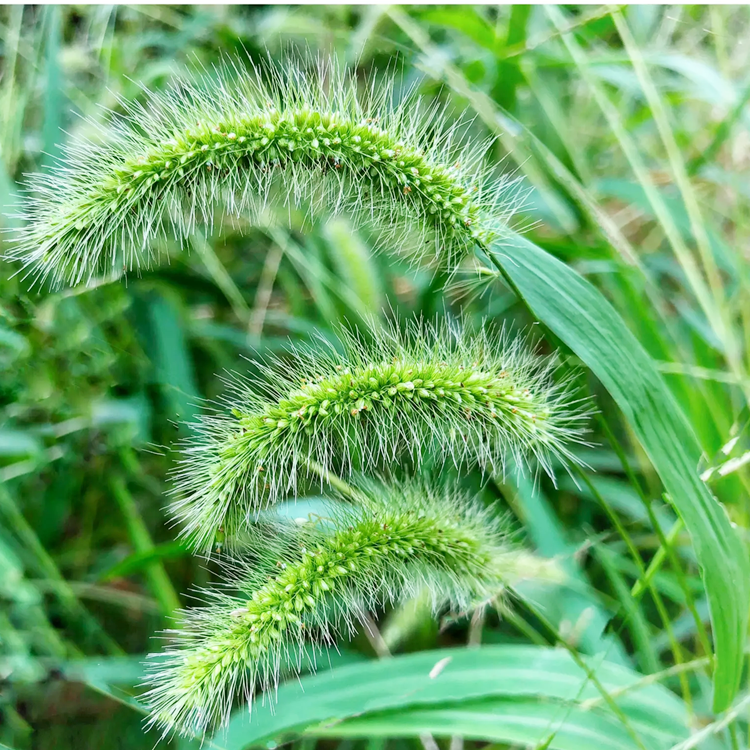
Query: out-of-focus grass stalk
[(666, 542), (156, 576), (616, 123), (634, 617), (17, 524), (680, 173), (638, 560), (590, 673)]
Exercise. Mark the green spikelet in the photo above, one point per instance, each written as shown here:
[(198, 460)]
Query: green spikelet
[(314, 583), (481, 399), (283, 136)]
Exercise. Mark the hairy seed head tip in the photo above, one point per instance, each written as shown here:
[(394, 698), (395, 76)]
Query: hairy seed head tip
[(284, 135), (482, 399), (310, 584)]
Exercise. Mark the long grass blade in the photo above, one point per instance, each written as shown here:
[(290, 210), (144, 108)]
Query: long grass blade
[(583, 320)]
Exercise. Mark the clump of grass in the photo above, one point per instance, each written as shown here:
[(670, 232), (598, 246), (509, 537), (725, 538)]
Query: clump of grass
[(308, 586), (285, 135), (481, 399)]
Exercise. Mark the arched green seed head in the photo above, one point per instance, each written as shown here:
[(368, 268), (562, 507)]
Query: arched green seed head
[(285, 136), (479, 399), (314, 584)]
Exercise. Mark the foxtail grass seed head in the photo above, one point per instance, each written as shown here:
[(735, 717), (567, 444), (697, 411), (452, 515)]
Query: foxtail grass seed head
[(284, 135), (482, 399), (314, 584)]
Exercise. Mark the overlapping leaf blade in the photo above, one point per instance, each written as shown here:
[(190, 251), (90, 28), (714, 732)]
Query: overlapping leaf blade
[(464, 678), (582, 318)]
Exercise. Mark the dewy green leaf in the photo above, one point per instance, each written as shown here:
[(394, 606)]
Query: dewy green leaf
[(580, 316)]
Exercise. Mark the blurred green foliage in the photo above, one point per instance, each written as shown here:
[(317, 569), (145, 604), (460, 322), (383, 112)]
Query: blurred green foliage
[(95, 383)]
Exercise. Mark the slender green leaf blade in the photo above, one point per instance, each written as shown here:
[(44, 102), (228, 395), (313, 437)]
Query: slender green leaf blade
[(526, 722), (171, 356), (581, 317), (53, 92), (452, 676)]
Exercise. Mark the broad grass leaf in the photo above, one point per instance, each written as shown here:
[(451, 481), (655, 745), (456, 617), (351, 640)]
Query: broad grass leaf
[(582, 318), (525, 722), (458, 676)]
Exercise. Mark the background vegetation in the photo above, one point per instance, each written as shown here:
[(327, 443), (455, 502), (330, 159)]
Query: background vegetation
[(630, 135)]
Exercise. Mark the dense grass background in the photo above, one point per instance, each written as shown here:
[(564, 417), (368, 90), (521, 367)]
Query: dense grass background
[(630, 134)]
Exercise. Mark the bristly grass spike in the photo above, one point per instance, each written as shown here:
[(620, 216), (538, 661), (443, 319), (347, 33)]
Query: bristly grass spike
[(229, 145), (480, 399), (307, 586), (239, 140)]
